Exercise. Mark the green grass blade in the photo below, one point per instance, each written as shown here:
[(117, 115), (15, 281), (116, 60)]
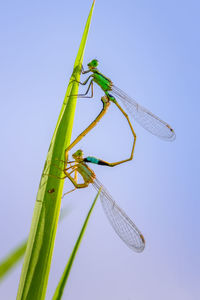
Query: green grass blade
[(11, 260), (61, 285), (37, 261)]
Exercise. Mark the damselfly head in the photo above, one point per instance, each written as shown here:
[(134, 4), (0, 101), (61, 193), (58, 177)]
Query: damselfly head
[(78, 155), (93, 64)]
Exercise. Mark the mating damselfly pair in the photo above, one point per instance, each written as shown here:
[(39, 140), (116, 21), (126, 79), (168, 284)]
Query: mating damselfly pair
[(121, 223)]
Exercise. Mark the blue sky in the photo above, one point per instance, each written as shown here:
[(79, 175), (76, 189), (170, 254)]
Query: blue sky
[(150, 49)]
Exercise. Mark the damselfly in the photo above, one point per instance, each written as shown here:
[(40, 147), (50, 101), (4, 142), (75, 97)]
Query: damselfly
[(144, 117), (120, 222)]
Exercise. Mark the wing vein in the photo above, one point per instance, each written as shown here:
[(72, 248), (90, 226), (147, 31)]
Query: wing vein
[(144, 117), (121, 223)]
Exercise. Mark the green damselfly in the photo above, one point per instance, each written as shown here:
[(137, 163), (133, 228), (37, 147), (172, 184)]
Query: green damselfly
[(144, 117)]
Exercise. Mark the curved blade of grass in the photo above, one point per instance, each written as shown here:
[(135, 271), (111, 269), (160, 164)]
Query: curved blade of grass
[(61, 285), (37, 261), (11, 260)]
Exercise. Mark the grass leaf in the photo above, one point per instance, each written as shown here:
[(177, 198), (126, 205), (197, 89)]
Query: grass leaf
[(11, 260), (37, 261), (61, 285)]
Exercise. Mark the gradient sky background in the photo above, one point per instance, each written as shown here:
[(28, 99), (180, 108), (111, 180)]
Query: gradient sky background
[(150, 49)]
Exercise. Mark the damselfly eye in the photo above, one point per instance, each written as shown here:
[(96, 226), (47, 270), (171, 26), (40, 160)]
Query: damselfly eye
[(93, 63), (78, 153)]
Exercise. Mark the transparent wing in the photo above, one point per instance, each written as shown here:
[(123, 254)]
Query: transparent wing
[(144, 117), (120, 222)]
